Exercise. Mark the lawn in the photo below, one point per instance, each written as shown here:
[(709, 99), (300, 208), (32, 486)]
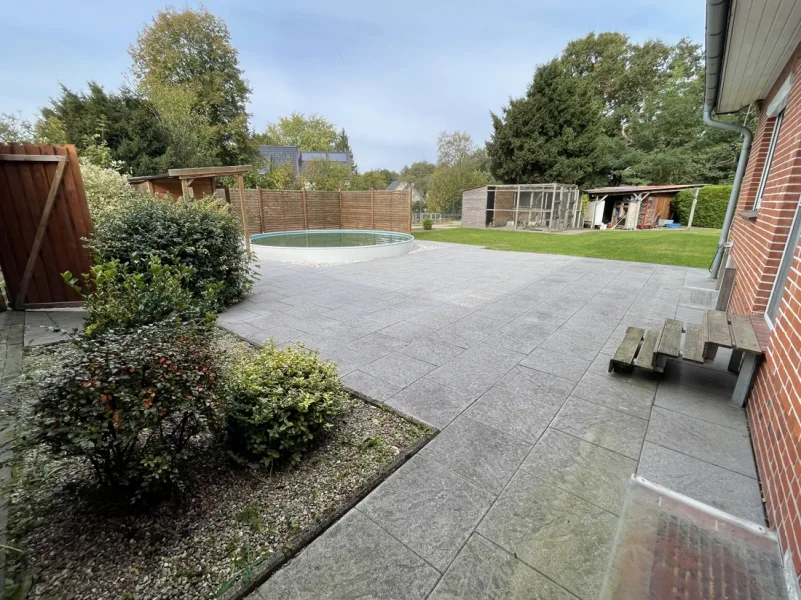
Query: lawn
[(684, 248)]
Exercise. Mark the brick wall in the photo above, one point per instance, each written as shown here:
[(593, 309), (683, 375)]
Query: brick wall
[(774, 408)]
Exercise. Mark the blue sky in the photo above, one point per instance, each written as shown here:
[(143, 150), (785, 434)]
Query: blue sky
[(393, 74)]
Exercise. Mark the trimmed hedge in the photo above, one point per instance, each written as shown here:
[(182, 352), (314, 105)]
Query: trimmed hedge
[(202, 234), (711, 207)]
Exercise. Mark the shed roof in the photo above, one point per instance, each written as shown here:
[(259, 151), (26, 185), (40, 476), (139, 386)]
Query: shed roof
[(623, 190), (193, 173)]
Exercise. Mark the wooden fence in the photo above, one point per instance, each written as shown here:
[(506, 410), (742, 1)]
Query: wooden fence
[(43, 216), (292, 210)]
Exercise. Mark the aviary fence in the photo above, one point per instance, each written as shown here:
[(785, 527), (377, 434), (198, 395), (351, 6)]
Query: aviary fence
[(293, 210)]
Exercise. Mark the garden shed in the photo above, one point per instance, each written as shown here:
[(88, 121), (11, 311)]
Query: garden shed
[(631, 206), (540, 206)]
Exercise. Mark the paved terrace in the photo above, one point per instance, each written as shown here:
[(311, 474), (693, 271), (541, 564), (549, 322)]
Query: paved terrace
[(506, 354)]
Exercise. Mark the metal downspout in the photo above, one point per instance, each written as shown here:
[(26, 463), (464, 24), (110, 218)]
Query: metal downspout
[(736, 184), (717, 21)]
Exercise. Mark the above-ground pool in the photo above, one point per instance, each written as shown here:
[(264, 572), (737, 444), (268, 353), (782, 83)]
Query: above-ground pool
[(330, 246)]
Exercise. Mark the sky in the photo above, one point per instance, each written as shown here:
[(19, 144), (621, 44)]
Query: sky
[(393, 74)]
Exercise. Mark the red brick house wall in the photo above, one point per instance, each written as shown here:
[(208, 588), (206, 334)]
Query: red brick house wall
[(774, 407)]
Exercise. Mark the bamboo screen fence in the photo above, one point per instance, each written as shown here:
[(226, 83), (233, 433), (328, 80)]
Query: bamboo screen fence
[(292, 210)]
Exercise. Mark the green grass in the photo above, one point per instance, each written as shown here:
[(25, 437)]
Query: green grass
[(684, 248)]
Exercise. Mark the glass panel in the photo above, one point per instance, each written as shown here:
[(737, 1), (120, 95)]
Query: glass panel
[(671, 546), (784, 267), (774, 137)]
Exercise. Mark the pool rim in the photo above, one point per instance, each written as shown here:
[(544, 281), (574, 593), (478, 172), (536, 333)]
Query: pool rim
[(408, 237)]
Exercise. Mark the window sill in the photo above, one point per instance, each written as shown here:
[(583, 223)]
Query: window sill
[(749, 215)]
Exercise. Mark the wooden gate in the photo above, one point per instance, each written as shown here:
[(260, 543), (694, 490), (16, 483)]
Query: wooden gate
[(43, 216)]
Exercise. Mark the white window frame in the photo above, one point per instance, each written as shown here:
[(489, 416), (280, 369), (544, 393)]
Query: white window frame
[(763, 180), (785, 264)]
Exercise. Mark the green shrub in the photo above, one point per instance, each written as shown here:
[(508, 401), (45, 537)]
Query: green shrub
[(120, 295), (428, 224), (279, 401), (710, 209), (105, 190), (200, 233), (130, 402)]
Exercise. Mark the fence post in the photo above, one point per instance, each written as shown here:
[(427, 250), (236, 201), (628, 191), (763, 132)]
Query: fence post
[(305, 210), (410, 210), (340, 208), (240, 180), (372, 209), (692, 210), (261, 211)]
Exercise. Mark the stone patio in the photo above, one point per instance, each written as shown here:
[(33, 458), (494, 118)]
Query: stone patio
[(506, 354)]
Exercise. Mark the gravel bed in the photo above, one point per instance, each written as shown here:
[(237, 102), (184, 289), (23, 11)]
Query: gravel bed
[(231, 519)]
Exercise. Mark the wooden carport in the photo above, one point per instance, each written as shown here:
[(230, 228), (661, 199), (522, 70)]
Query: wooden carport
[(635, 206), (194, 183)]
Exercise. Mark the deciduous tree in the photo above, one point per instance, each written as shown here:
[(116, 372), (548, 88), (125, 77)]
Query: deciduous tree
[(192, 50)]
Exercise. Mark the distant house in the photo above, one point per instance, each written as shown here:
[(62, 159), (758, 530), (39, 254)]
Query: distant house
[(275, 156), (402, 186)]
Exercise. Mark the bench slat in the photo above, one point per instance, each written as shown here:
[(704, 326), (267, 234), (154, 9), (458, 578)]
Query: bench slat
[(744, 336), (694, 343), (670, 343), (645, 359), (716, 324), (628, 347)]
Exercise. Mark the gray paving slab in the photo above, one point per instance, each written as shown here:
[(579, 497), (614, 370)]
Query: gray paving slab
[(522, 404), (555, 532), (477, 368), (482, 455), (566, 366), (377, 344), (432, 402), (355, 558), (468, 331), (630, 399), (703, 440), (705, 378), (428, 508), (370, 386), (702, 405), (484, 571), (347, 360), (432, 351), (407, 331), (398, 369), (590, 472), (574, 343), (731, 492), (606, 427)]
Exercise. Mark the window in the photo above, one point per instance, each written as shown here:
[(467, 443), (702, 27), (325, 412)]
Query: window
[(777, 125), (784, 267)]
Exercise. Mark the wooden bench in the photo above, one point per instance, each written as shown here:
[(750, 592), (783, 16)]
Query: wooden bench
[(650, 350)]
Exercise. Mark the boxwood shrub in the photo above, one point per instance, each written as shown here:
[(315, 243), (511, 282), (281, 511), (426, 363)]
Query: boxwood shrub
[(200, 233), (279, 401), (710, 210), (131, 402)]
